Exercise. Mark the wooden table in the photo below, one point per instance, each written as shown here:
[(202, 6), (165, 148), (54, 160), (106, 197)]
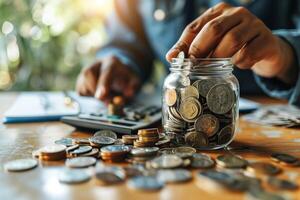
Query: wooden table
[(18, 141)]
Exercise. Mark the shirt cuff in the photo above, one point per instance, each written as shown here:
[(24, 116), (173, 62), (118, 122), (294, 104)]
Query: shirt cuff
[(273, 86)]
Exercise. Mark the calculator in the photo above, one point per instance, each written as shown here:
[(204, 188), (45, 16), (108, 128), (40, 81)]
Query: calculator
[(143, 112)]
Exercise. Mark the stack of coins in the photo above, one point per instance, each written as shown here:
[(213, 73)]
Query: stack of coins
[(200, 112), (114, 153), (129, 139), (116, 106), (147, 138), (51, 152)]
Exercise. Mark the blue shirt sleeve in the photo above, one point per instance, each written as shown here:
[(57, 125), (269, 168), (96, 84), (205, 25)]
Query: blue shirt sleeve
[(127, 45), (277, 88)]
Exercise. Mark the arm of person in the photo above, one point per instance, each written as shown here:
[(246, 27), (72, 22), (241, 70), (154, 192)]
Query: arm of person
[(226, 31), (124, 62)]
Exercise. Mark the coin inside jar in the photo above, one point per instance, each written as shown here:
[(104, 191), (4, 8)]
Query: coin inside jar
[(196, 139), (225, 135), (220, 98), (207, 124), (189, 109), (170, 97), (189, 91)]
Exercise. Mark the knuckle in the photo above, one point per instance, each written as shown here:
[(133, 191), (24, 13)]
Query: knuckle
[(192, 27), (222, 5), (241, 10), (215, 27), (194, 50)]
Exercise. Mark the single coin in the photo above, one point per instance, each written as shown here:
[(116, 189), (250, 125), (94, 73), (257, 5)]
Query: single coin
[(225, 135), (261, 194), (220, 98), (132, 171), (73, 176), (202, 161), (231, 161), (282, 184), (189, 109), (102, 140), (65, 141), (151, 132), (81, 150), (80, 162), (284, 158), (20, 165), (263, 168), (184, 152), (147, 183), (116, 149), (110, 175), (170, 97), (52, 149), (166, 162), (106, 133), (146, 151), (181, 55), (189, 91), (196, 140), (174, 176), (207, 124)]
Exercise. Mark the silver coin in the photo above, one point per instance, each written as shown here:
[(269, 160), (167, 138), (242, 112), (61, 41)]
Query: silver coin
[(166, 151), (166, 162), (148, 183), (65, 141), (231, 161), (260, 194), (205, 85), (93, 153), (220, 98), (196, 139), (102, 140), (207, 124), (73, 176), (174, 176), (146, 151), (184, 152), (20, 165), (110, 175), (116, 148), (106, 133), (81, 150), (202, 161), (81, 162), (72, 148), (225, 135)]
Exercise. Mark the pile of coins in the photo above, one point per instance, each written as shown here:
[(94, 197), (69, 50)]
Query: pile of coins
[(151, 168), (199, 112)]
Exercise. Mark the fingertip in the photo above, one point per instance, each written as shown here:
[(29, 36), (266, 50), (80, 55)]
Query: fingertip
[(172, 53)]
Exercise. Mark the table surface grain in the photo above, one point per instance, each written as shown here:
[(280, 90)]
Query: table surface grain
[(19, 140)]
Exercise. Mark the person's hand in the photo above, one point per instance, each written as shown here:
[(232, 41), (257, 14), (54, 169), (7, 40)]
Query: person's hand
[(226, 31), (107, 77)]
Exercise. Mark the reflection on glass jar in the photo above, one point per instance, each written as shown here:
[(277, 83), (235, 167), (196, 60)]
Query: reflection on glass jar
[(200, 103)]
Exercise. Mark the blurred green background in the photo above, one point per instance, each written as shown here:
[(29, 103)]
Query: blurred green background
[(45, 43)]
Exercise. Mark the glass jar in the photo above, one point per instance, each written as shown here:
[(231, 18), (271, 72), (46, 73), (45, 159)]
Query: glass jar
[(200, 103)]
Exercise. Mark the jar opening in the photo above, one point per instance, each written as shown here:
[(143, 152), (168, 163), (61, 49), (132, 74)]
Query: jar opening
[(202, 65)]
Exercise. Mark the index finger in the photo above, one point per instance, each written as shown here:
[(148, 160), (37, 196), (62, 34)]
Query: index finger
[(191, 31)]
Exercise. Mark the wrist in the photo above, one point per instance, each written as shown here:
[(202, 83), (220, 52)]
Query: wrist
[(288, 72)]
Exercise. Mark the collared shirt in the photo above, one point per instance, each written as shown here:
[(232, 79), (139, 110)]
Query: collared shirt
[(144, 30)]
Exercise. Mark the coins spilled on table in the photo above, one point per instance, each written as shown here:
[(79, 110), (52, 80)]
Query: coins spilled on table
[(154, 166), (200, 112)]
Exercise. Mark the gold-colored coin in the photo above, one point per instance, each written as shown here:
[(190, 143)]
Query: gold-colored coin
[(170, 97), (196, 140), (190, 109), (189, 91)]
